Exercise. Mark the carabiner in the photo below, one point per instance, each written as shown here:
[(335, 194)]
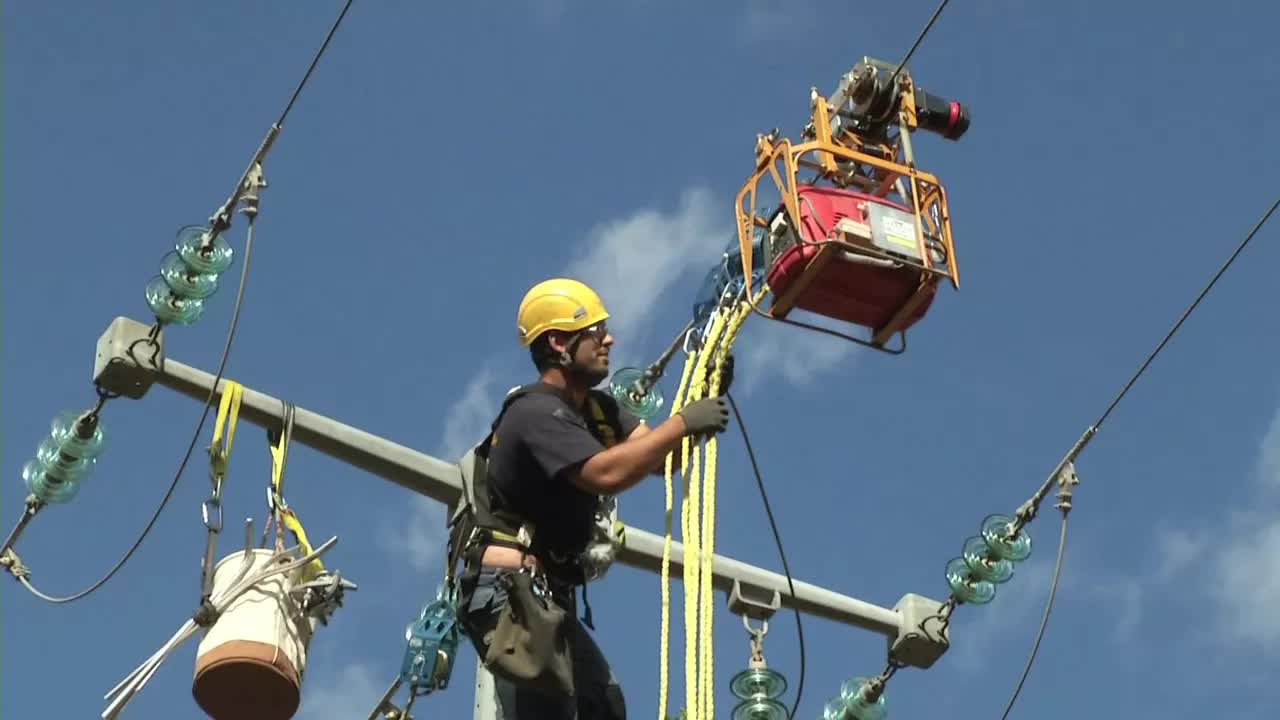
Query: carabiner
[(205, 507)]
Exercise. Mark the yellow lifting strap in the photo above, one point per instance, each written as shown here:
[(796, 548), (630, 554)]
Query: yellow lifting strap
[(701, 378), (228, 416), (285, 515)]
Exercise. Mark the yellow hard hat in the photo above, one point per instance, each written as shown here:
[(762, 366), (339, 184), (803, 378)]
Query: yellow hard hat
[(558, 304)]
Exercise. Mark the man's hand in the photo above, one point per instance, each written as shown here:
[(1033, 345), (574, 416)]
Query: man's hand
[(706, 416)]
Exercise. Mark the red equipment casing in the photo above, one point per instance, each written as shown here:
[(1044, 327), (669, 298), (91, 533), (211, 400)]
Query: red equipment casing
[(860, 289)]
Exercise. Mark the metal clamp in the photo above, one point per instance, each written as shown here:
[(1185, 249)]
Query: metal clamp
[(321, 597), (753, 602)]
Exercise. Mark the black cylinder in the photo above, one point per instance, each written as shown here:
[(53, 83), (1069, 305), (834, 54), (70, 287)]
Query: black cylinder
[(948, 118)]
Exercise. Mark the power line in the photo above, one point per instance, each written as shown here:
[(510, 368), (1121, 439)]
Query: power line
[(314, 61), (1030, 506), (1186, 313), (919, 39)]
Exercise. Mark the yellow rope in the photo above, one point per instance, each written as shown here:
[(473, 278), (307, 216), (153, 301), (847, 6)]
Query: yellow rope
[(708, 546), (692, 534), (700, 378), (664, 640)]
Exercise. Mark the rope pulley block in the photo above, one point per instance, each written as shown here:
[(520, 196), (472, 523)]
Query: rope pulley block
[(865, 237), (431, 646)]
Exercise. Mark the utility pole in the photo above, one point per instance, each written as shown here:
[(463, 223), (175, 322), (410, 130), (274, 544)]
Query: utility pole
[(751, 591)]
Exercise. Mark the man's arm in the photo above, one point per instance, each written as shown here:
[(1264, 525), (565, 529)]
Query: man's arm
[(661, 468), (561, 444), (624, 465)]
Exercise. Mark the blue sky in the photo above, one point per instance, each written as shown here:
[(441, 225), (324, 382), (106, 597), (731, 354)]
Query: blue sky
[(445, 157)]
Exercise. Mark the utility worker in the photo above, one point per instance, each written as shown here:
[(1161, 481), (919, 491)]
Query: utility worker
[(554, 452)]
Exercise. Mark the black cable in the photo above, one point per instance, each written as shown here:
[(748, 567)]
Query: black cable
[(1186, 313), (195, 437), (1044, 622), (314, 61), (777, 538), (919, 39), (1106, 413)]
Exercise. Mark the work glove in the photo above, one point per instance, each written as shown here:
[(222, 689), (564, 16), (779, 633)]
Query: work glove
[(706, 416)]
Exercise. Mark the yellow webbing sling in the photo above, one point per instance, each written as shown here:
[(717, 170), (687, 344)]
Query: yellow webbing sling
[(285, 515)]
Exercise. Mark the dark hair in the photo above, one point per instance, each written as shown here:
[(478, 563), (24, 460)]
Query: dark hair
[(543, 355)]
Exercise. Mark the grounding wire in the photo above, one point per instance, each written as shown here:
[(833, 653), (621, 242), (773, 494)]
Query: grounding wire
[(1044, 489), (195, 437), (1044, 621), (220, 221)]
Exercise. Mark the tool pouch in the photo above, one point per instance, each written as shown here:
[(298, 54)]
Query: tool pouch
[(530, 646)]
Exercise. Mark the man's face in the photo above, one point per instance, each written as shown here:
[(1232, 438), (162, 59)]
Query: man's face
[(591, 354)]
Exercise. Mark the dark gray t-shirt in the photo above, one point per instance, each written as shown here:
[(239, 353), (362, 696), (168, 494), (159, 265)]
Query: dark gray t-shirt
[(537, 451)]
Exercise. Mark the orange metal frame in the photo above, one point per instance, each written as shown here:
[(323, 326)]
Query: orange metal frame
[(822, 153)]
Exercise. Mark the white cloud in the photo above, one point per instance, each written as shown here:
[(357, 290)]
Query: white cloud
[(770, 350), (353, 694), (420, 540), (1177, 550), (1247, 571), (1236, 564), (1269, 456), (467, 420), (1122, 598), (639, 260), (975, 632), (1245, 565), (775, 19)]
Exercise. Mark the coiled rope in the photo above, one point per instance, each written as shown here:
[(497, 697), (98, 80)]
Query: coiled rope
[(700, 378)]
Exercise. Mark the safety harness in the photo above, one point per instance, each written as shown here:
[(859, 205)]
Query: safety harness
[(475, 524)]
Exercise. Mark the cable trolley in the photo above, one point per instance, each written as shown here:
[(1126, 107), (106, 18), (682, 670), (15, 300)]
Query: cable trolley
[(866, 240)]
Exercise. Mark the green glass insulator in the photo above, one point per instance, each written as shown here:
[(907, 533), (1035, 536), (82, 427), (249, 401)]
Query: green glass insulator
[(622, 386), (966, 587), (63, 432), (183, 281), (761, 682), (214, 259), (833, 710), (983, 563), (170, 307), (760, 709), (58, 465), (995, 530), (856, 705), (46, 487)]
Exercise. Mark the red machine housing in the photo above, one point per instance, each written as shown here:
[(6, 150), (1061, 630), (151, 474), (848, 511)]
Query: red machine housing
[(862, 289)]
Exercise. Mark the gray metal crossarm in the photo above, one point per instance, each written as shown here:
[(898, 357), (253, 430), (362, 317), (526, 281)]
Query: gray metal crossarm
[(644, 550), (404, 466), (441, 481)]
